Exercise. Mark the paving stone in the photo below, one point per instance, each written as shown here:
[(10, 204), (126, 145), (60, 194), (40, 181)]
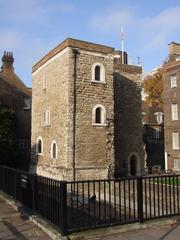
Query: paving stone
[(15, 226)]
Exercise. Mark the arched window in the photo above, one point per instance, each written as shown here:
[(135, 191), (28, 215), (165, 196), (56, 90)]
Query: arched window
[(98, 73), (54, 150), (99, 115), (39, 146), (133, 165), (159, 117)]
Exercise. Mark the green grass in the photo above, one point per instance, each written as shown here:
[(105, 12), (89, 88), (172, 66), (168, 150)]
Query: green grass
[(169, 181)]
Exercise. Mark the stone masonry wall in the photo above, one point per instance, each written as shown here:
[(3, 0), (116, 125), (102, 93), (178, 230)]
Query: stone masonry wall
[(55, 99), (94, 144), (128, 118)]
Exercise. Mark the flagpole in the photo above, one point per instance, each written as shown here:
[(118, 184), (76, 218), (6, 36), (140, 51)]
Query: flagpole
[(122, 44)]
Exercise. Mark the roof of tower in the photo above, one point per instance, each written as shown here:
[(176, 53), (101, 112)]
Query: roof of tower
[(70, 42)]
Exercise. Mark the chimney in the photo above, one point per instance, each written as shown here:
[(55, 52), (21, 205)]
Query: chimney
[(7, 60), (174, 51)]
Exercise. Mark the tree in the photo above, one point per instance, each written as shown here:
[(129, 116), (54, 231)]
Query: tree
[(8, 145), (153, 87)]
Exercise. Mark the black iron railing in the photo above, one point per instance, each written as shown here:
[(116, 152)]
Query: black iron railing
[(73, 206), (44, 196)]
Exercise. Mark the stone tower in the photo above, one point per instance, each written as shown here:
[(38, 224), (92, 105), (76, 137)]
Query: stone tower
[(73, 112)]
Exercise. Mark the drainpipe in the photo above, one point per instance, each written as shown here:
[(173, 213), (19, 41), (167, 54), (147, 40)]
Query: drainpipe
[(75, 52)]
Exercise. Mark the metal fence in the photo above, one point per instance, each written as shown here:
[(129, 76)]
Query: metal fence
[(73, 206), (45, 197)]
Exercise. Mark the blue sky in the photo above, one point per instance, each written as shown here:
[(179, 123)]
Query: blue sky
[(30, 28)]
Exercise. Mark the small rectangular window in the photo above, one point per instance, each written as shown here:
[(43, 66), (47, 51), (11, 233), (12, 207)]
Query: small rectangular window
[(174, 111), (176, 163), (23, 144), (45, 82), (27, 103), (156, 133), (175, 140), (173, 80), (47, 117)]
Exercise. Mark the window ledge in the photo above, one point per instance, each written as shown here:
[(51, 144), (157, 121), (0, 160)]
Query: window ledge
[(175, 149), (39, 154), (100, 124), (98, 82), (46, 125)]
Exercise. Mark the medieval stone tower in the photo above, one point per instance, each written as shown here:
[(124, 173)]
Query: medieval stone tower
[(86, 113)]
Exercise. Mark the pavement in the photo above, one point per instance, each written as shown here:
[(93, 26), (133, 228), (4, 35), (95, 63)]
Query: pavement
[(166, 229), (163, 232), (13, 225)]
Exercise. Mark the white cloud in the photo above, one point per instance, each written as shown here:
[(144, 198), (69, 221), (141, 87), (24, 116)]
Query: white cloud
[(168, 19), (153, 32), (113, 20), (10, 39), (29, 11)]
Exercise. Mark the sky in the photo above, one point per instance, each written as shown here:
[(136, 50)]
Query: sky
[(31, 28)]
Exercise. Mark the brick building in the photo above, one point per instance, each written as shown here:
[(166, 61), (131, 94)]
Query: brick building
[(86, 113), (153, 136), (171, 88), (15, 95)]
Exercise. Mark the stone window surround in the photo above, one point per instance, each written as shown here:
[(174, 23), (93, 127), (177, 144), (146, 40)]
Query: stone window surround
[(103, 112), (174, 112), (46, 119), (173, 80), (138, 170), (102, 73), (176, 164), (54, 142), (44, 87), (175, 140), (37, 140), (27, 103), (159, 117)]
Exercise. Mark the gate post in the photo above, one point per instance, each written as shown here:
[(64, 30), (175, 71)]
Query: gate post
[(33, 186), (63, 207), (140, 198)]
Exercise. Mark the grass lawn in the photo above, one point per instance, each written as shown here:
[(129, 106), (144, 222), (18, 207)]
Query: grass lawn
[(169, 181)]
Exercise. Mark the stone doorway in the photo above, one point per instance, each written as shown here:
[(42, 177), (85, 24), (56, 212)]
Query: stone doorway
[(133, 165)]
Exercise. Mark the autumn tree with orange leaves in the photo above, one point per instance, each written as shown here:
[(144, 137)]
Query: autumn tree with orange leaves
[(153, 87)]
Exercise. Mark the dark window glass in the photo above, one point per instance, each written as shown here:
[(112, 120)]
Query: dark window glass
[(54, 150), (97, 73), (39, 146), (98, 115)]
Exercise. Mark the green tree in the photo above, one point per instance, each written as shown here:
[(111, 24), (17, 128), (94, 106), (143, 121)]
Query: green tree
[(8, 144), (153, 87)]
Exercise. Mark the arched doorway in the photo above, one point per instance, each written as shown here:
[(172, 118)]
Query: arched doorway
[(133, 165)]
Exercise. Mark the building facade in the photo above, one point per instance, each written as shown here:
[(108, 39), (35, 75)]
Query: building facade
[(153, 137), (171, 88), (15, 95), (86, 113)]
